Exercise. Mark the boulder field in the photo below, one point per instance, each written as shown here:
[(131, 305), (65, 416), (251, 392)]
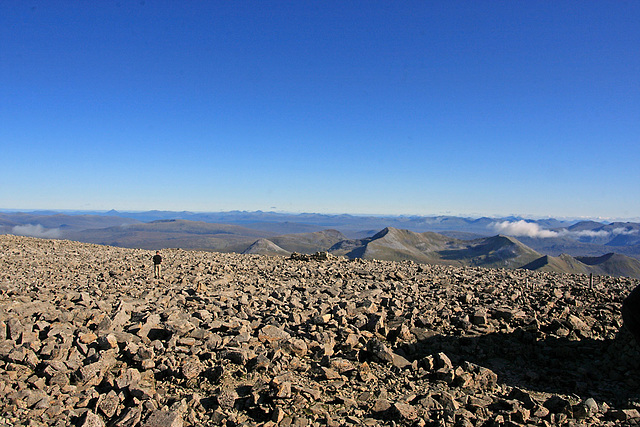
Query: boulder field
[(89, 338)]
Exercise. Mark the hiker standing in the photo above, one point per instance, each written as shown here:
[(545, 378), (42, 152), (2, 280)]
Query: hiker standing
[(157, 265)]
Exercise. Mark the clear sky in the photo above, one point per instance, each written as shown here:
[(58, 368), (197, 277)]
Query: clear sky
[(375, 107)]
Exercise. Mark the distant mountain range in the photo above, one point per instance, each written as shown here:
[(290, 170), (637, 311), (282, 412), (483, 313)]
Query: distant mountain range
[(547, 245)]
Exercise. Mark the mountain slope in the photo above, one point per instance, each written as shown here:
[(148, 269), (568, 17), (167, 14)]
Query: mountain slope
[(173, 234), (496, 252), (308, 243), (62, 222), (613, 265), (395, 245), (585, 226), (610, 264), (266, 247), (589, 239), (560, 264)]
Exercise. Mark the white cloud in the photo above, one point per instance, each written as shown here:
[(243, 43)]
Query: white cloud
[(588, 233), (37, 230), (624, 231), (530, 229), (600, 233), (523, 228)]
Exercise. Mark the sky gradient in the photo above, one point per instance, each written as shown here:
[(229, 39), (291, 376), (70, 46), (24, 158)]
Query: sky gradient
[(369, 107)]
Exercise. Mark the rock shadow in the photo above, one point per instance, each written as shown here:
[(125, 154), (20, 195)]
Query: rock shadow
[(606, 370)]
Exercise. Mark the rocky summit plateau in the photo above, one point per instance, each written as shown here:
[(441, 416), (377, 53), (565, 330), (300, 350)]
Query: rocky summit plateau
[(89, 338)]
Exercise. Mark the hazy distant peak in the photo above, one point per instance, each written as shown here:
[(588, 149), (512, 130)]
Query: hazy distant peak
[(332, 233), (501, 240), (585, 225), (327, 234)]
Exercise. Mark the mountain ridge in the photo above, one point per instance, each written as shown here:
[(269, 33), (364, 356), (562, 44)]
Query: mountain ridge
[(245, 232), (498, 251)]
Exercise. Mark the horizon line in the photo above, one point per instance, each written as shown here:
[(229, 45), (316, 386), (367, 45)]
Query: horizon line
[(407, 215)]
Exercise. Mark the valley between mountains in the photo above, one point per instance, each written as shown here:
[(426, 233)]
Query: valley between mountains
[(583, 247), (389, 244)]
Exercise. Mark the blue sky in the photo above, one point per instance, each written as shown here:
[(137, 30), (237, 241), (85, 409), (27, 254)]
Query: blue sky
[(375, 107)]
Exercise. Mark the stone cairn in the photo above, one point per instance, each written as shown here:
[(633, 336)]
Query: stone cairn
[(89, 338)]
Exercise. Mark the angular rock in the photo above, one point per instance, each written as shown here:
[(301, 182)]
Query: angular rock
[(162, 418), (272, 335), (297, 346), (191, 368), (108, 404), (91, 419), (108, 341), (227, 397), (405, 411), (145, 387)]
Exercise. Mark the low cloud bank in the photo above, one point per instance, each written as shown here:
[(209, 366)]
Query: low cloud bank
[(589, 233), (36, 230), (531, 229), (624, 231), (523, 228)]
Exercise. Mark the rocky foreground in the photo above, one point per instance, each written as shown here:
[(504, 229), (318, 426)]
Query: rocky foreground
[(88, 338)]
